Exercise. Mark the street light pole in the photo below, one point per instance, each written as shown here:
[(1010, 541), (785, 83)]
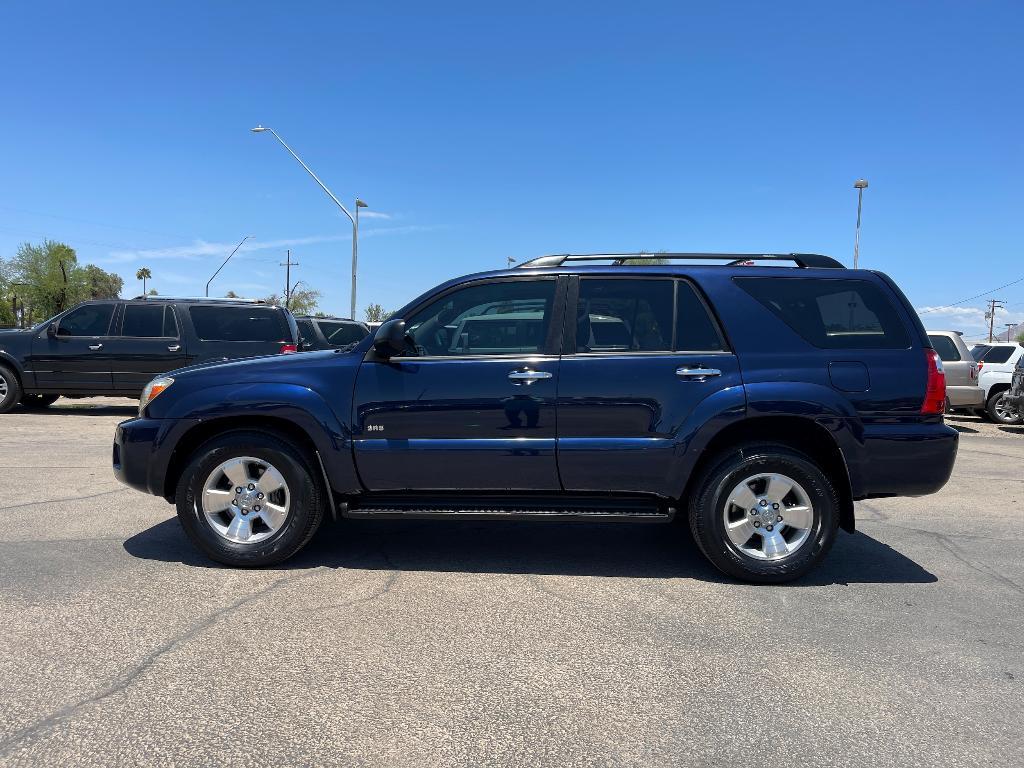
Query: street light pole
[(353, 219), (860, 185), (224, 264)]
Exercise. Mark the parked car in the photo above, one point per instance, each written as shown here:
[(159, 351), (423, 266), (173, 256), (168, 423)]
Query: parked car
[(962, 390), (1014, 398), (117, 347), (996, 363), (757, 402), (329, 332)]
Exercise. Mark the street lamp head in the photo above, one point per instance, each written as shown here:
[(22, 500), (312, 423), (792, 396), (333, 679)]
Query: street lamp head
[(858, 184), (258, 129), (361, 204)]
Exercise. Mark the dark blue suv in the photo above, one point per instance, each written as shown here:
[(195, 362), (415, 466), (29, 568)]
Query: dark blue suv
[(757, 399)]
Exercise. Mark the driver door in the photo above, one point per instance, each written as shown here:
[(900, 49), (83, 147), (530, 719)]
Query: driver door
[(472, 405), (77, 359)]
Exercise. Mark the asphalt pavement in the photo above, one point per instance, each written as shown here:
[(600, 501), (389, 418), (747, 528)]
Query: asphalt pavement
[(499, 644)]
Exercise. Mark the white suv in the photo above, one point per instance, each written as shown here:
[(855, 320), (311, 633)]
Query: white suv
[(996, 362)]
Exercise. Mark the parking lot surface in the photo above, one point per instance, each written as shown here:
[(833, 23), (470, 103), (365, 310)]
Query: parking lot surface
[(476, 644)]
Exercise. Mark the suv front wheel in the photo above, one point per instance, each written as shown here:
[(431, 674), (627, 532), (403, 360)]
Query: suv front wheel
[(1000, 411), (10, 390), (764, 513), (249, 499)]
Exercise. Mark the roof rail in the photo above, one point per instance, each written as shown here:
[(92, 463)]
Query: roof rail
[(199, 298), (803, 260)]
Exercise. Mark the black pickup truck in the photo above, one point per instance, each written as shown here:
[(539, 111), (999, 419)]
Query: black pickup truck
[(117, 347)]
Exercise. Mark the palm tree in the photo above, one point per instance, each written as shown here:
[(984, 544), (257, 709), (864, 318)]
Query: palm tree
[(143, 274)]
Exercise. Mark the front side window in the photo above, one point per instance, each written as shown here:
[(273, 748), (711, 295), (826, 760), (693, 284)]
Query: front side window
[(148, 321), (87, 320), (239, 324), (624, 315), (832, 313), (500, 318), (946, 348)]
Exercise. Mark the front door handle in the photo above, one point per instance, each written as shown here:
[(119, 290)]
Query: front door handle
[(697, 374), (95, 347), (528, 377), (174, 347)]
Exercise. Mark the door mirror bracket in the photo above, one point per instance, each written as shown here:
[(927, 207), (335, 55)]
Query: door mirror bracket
[(391, 339)]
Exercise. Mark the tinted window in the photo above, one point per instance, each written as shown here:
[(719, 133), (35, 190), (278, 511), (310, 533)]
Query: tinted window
[(148, 321), (500, 318), (624, 316), (695, 331), (239, 324), (832, 313), (87, 320), (341, 334), (946, 348), (306, 330), (978, 351), (997, 354)]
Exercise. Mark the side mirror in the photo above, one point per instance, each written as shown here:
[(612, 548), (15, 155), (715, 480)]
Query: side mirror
[(51, 330), (390, 338)]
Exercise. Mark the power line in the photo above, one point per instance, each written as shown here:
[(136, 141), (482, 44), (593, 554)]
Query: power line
[(971, 298)]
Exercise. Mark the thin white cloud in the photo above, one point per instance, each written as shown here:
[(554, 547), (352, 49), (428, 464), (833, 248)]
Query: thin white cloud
[(365, 214), (970, 320)]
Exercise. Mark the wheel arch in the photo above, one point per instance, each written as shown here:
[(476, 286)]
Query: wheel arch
[(801, 434)]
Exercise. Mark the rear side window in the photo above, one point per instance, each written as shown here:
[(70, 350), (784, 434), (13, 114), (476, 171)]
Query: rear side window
[(624, 316), (946, 348), (342, 334), (832, 313), (997, 354), (149, 321), (87, 320), (978, 351), (239, 324), (306, 330)]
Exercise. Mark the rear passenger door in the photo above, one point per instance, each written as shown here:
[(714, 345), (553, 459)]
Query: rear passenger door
[(227, 333), (147, 345), (640, 355)]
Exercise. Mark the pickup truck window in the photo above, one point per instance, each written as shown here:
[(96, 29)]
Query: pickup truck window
[(497, 318), (342, 334), (831, 313), (148, 321), (239, 323), (87, 320)]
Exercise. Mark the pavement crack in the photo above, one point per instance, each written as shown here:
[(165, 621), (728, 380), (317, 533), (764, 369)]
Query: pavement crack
[(37, 728), (69, 498)]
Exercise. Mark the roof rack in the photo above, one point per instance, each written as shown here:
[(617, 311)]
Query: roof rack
[(199, 298), (803, 260)]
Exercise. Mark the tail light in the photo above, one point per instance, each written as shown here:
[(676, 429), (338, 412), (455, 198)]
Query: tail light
[(935, 388), (287, 349)]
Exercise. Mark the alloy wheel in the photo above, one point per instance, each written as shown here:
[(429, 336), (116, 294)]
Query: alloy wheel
[(246, 500), (768, 516)]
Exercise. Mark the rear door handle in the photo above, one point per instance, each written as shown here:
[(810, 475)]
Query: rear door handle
[(697, 374), (174, 347), (95, 347), (528, 377)]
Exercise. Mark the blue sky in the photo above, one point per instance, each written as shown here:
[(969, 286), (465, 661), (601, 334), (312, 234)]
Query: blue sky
[(478, 134)]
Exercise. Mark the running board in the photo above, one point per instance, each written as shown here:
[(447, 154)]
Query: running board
[(594, 510)]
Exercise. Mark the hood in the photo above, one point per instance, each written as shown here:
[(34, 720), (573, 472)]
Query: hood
[(293, 368)]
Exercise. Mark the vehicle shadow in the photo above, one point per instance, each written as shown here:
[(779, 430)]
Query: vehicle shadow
[(541, 548), (962, 429)]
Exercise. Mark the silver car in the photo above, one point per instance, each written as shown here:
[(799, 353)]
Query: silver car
[(962, 390)]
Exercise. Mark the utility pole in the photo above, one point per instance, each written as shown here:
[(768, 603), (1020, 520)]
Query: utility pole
[(993, 305), (288, 264), (1009, 326)]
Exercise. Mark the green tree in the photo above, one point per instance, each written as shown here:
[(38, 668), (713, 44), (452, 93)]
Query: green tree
[(144, 274), (53, 280), (303, 301), (375, 313), (102, 284), (6, 296)]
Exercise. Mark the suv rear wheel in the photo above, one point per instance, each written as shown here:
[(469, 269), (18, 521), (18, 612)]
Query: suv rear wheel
[(10, 389), (249, 499), (999, 409), (764, 513)]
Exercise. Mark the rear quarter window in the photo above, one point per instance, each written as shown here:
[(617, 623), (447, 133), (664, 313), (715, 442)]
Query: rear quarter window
[(997, 355), (946, 348), (239, 324), (832, 313)]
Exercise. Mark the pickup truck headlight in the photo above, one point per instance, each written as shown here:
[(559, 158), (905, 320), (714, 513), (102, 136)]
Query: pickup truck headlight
[(154, 388)]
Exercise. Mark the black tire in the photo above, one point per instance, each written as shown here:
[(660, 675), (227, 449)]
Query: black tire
[(708, 513), (306, 504), (993, 407), (10, 389), (38, 401)]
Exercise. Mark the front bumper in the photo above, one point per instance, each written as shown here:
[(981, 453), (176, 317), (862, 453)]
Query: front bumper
[(142, 451), (966, 396)]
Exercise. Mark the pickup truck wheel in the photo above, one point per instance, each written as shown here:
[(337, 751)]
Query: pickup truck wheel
[(1000, 411), (38, 401), (10, 389), (249, 499), (764, 513)]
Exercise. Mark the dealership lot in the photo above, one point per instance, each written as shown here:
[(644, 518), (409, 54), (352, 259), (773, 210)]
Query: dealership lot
[(461, 643)]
